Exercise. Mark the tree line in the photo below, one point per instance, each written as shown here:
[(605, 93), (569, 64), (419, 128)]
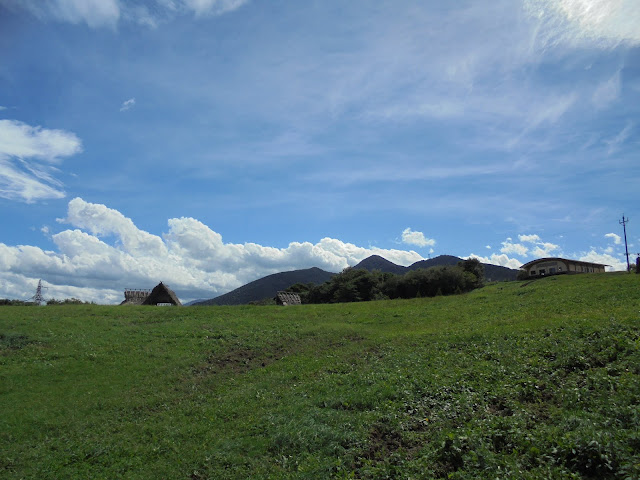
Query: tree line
[(355, 285), (52, 301)]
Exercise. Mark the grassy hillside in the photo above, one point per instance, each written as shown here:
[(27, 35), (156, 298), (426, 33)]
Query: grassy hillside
[(516, 380)]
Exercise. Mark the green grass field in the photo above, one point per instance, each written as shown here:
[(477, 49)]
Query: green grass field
[(516, 380)]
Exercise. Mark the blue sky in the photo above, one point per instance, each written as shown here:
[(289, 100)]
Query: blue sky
[(207, 143)]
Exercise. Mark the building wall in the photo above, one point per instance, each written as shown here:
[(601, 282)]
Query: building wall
[(551, 267), (557, 266)]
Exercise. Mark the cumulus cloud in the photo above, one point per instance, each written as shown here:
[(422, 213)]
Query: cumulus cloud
[(544, 249), (613, 263), (536, 247), (529, 238), (104, 252), (103, 221), (616, 238), (27, 158), (411, 237), (501, 260), (516, 248), (127, 104)]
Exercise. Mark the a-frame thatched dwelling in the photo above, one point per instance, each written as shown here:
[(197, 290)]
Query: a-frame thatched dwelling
[(288, 298), (162, 295)]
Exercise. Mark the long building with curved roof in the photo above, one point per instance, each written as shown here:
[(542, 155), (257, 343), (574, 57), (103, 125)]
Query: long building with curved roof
[(557, 265)]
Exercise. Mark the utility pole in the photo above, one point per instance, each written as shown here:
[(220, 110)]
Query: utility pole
[(623, 222)]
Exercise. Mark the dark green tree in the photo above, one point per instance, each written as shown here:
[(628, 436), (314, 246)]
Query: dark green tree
[(474, 267)]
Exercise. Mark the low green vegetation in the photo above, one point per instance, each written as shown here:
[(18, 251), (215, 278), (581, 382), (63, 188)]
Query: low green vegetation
[(521, 380), (358, 285)]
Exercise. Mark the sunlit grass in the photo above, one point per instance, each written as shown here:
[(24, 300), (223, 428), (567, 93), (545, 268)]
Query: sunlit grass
[(514, 380)]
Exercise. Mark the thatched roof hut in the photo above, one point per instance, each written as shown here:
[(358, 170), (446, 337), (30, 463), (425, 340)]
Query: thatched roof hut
[(288, 298), (135, 296), (162, 295)]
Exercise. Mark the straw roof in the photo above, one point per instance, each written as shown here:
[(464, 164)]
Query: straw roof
[(162, 294), (135, 296), (288, 298)]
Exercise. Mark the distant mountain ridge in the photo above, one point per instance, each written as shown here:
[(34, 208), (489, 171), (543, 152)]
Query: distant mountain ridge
[(492, 273), (269, 286), (376, 262)]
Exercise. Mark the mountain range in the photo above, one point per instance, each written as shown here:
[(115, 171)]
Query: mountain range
[(269, 286)]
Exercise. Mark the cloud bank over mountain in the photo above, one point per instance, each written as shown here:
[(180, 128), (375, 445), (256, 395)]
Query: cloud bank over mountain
[(105, 252)]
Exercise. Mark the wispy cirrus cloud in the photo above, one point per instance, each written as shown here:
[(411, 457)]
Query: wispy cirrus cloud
[(213, 7), (28, 156), (108, 13), (608, 91), (616, 142), (127, 104), (409, 173), (603, 23), (94, 13)]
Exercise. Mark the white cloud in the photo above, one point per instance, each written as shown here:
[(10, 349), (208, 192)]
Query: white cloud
[(416, 238), (102, 221), (95, 13), (615, 263), (614, 143), (608, 91), (17, 139), (501, 260), (26, 157), (104, 252), (127, 104), (616, 238), (605, 23), (544, 249), (537, 249), (17, 184), (529, 238), (517, 248), (213, 7), (108, 13)]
